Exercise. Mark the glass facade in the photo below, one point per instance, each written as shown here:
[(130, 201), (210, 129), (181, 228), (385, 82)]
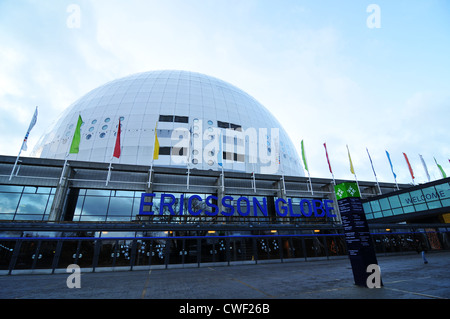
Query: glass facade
[(25, 202), (418, 200)]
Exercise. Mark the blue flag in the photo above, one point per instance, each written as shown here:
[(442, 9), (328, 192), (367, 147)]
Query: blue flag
[(392, 168)]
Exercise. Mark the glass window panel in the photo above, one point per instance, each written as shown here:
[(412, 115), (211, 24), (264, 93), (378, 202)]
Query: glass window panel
[(28, 217), (11, 189), (98, 192), (398, 211), (420, 207), (95, 206), (405, 199), (394, 201), (367, 208), (375, 206), (384, 203), (8, 203), (33, 204), (408, 209), (120, 206), (387, 213), (377, 215), (443, 190), (124, 193)]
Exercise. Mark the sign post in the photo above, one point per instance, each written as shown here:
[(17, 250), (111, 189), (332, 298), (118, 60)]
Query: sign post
[(357, 236)]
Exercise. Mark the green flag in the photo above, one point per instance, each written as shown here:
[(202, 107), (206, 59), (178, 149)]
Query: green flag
[(74, 148), (441, 169), (304, 157), (344, 190)]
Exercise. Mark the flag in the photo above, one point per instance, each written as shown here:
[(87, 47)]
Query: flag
[(424, 167), (441, 169), (304, 157), (75, 146), (328, 160), (32, 123), (351, 164), (156, 146), (117, 147), (392, 167), (409, 166), (371, 162)]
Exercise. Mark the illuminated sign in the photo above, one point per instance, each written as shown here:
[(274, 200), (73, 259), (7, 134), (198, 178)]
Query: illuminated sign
[(244, 206)]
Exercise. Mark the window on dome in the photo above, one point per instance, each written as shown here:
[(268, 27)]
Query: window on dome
[(164, 150), (181, 119), (166, 118)]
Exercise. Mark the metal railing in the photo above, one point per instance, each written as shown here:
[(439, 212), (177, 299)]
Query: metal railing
[(55, 254)]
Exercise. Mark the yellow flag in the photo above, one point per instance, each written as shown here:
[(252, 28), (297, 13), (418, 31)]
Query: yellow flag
[(156, 146), (351, 164)]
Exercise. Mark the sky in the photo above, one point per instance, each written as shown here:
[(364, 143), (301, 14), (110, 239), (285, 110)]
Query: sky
[(373, 75)]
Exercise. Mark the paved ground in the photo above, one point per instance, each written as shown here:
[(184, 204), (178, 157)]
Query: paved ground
[(404, 277)]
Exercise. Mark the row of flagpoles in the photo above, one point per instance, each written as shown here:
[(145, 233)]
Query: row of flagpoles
[(352, 169), (76, 139)]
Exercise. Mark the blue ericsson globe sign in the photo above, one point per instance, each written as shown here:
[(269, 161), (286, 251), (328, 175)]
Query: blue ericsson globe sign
[(244, 206)]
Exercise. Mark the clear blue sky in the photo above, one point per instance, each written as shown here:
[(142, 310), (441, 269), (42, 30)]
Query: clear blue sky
[(316, 65)]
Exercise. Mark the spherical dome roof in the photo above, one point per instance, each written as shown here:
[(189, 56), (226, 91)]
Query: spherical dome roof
[(192, 113)]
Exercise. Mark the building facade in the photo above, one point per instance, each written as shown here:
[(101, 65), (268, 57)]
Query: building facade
[(51, 217)]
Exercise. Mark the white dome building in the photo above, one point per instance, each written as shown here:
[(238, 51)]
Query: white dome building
[(192, 112)]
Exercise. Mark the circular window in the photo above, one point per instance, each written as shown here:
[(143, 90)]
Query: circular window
[(195, 120), (102, 135), (107, 120), (194, 161), (210, 122), (104, 127), (195, 152), (211, 153), (88, 137), (91, 129), (196, 135), (210, 162), (196, 127), (94, 121), (122, 118)]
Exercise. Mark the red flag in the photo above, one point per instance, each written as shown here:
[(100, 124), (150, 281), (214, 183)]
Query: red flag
[(409, 166), (117, 147), (328, 160)]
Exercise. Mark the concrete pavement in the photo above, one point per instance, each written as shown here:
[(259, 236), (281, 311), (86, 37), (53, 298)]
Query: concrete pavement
[(404, 277)]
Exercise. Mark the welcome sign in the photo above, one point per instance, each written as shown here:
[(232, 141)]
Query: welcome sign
[(243, 206)]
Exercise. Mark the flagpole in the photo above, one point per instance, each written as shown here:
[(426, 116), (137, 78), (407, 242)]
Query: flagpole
[(409, 167), (153, 155), (392, 169), (24, 143), (425, 167), (305, 162), (373, 169), (329, 164), (352, 169), (189, 157), (116, 153), (78, 127), (15, 164)]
